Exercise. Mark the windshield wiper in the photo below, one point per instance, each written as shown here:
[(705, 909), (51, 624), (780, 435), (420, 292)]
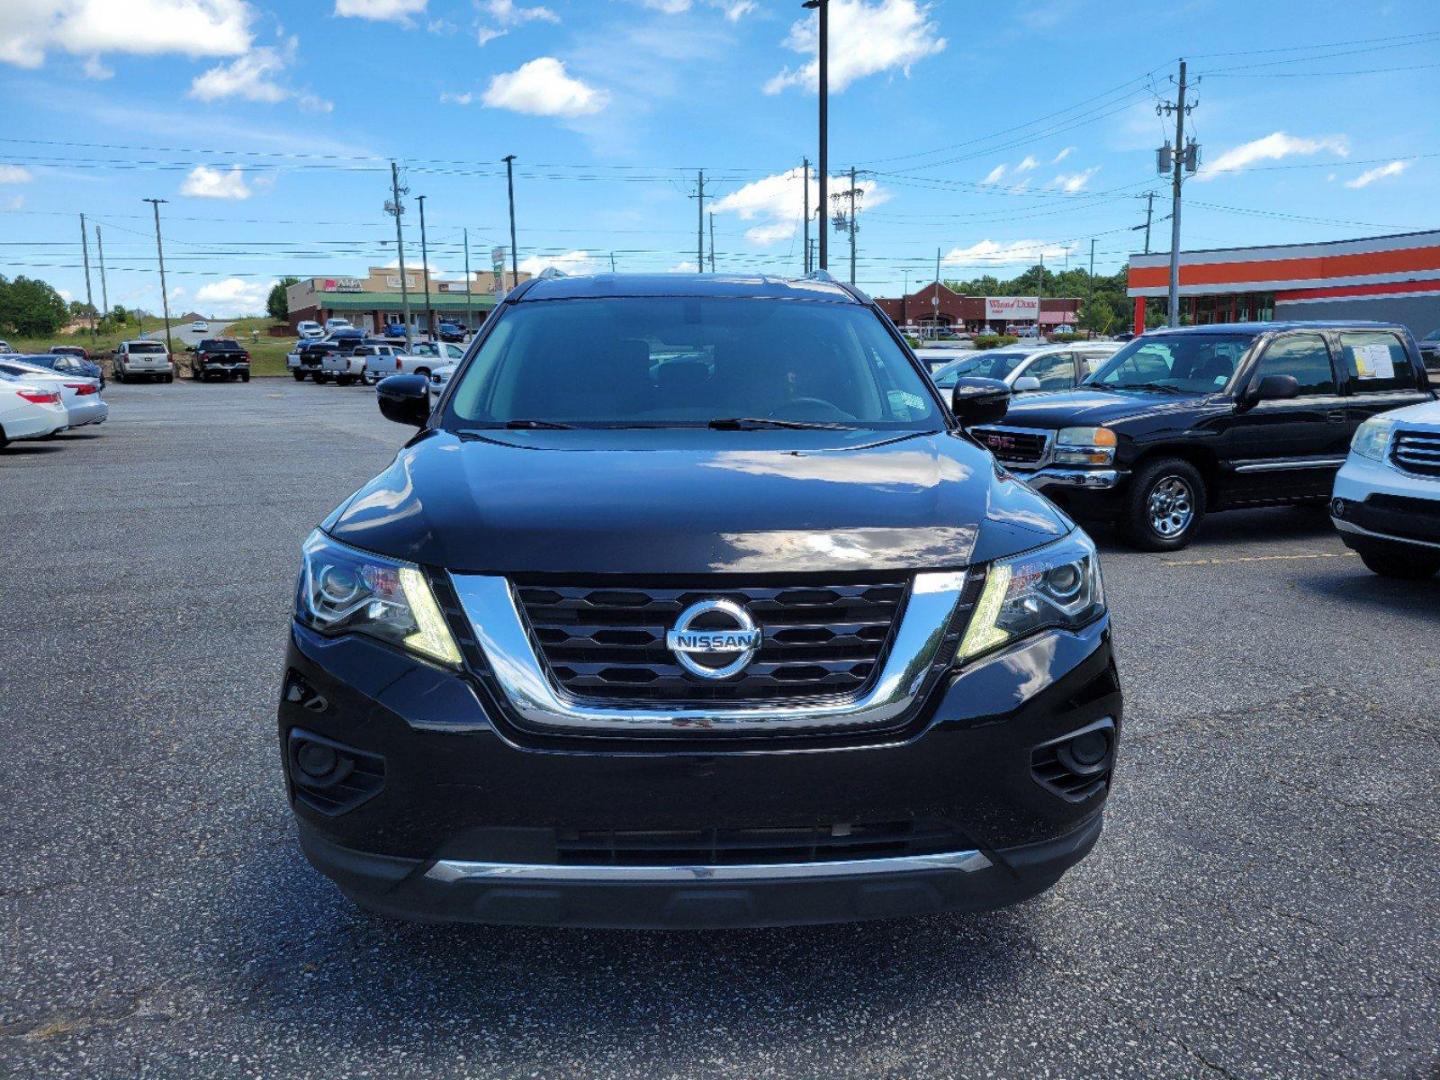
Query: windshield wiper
[(517, 425), (1164, 388), (756, 423)]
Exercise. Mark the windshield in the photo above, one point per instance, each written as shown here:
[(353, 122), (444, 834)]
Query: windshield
[(690, 361), (989, 365), (147, 347), (1434, 335), (1184, 363)]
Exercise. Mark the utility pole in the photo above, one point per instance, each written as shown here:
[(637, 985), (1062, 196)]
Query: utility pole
[(104, 291), (1182, 158), (1090, 291), (164, 294), (1149, 213), (1039, 292), (469, 317), (806, 218), (700, 226), (904, 299), (935, 300), (396, 207), (848, 222), (85, 252), (712, 241), (854, 225), (425, 270), (612, 262), (823, 10), (514, 255)]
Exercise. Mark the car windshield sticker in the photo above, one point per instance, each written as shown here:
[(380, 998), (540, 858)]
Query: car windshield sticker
[(1373, 362)]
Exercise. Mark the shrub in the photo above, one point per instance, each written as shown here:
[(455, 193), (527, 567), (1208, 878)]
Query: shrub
[(993, 341)]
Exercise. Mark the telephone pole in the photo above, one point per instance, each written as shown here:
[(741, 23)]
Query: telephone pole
[(469, 316), (806, 217), (425, 270), (1090, 288), (396, 207), (1183, 157), (823, 10), (1149, 214), (848, 222), (1039, 293), (700, 226), (85, 252), (160, 252), (712, 241), (514, 255), (104, 291)]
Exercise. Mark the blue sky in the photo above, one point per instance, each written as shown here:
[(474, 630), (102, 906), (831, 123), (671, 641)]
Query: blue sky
[(991, 132)]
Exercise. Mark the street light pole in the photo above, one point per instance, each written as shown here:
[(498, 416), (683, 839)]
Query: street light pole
[(164, 294), (510, 185), (805, 179), (469, 314), (823, 9), (425, 270)]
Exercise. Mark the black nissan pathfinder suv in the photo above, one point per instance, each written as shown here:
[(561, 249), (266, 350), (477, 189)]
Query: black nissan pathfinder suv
[(1182, 422), (691, 604)]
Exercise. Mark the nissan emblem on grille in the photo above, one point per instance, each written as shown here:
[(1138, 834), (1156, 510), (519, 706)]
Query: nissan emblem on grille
[(688, 640)]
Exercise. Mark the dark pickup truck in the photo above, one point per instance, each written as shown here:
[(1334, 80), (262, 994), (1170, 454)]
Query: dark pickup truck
[(1186, 421), (219, 357)]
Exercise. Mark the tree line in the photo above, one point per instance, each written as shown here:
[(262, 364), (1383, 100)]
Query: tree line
[(1104, 305)]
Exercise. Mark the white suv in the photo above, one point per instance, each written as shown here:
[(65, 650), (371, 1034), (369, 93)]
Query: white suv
[(136, 359), (1387, 497)]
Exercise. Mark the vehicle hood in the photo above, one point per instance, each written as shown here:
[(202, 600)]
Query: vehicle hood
[(680, 501), (1091, 408), (1426, 415)]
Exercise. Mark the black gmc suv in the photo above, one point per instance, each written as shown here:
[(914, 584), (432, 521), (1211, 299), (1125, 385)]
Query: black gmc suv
[(691, 604), (1186, 421)]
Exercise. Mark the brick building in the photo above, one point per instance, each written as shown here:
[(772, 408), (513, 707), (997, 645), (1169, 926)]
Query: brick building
[(1002, 314)]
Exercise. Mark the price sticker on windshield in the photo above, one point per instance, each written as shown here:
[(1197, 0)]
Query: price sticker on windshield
[(1373, 362)]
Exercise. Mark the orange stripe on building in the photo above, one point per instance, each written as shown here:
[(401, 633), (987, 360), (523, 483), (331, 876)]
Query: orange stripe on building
[(1318, 268)]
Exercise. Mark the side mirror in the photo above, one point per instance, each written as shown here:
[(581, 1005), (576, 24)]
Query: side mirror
[(979, 401), (405, 399), (1024, 383), (1275, 388)]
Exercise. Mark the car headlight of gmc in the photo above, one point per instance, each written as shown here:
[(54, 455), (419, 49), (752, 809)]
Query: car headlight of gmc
[(1372, 438), (1055, 587), (347, 591), (1085, 446)]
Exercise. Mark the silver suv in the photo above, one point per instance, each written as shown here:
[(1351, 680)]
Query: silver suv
[(142, 359)]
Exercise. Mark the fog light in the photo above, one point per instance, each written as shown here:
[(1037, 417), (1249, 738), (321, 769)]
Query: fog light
[(1086, 754), (1337, 507), (316, 760)]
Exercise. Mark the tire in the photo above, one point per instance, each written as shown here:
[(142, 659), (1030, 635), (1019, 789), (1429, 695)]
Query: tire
[(1164, 506), (1400, 564), (119, 376), (169, 378), (195, 376), (344, 380), (299, 375), (425, 371), (244, 376)]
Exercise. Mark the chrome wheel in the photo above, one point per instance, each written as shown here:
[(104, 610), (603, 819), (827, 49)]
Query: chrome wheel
[(1171, 506)]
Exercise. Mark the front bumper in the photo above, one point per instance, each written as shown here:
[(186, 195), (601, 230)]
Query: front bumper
[(1375, 503), (467, 816), (1053, 477)]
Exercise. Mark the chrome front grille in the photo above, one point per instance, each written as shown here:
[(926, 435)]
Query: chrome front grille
[(1028, 447), (608, 643), (1416, 452)]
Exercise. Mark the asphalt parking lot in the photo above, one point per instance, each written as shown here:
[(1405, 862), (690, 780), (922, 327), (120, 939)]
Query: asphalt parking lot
[(1265, 901)]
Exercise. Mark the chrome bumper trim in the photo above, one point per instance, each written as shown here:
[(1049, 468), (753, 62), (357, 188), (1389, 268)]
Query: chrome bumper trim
[(1351, 527), (500, 628), (450, 871), (1058, 476)]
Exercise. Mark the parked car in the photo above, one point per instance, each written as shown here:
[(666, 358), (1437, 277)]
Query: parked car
[(5, 348), (1430, 351), (1183, 422), (1054, 367), (67, 364), (79, 395), (222, 357), (381, 361), (440, 378), (199, 326), (142, 360), (572, 687), (29, 410), (427, 353), (68, 350), (348, 362), (331, 325), (451, 331), (1386, 501), (308, 328), (307, 360)]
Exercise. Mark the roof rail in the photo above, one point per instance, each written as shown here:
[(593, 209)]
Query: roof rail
[(820, 275), (551, 272)]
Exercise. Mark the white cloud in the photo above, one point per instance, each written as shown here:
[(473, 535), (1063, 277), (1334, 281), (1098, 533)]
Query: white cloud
[(457, 99), (1070, 183), (1369, 176), (1027, 164), (997, 253), (1062, 155), (777, 203), (571, 262), (31, 28), (686, 267), (204, 182), (734, 10), (506, 14), (669, 7), (15, 174), (994, 175), (234, 296), (256, 77), (542, 88), (380, 10), (866, 37), (96, 70), (1272, 147), (15, 202)]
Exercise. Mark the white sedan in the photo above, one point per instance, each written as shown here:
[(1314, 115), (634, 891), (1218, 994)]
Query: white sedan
[(79, 394), (29, 411), (199, 326)]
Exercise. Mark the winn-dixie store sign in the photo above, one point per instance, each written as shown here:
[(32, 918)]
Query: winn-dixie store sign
[(1012, 307)]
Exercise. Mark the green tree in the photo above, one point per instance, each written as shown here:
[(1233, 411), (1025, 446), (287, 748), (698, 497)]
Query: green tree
[(1098, 315), (275, 305), (30, 307)]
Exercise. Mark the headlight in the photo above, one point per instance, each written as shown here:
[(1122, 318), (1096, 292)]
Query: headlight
[(1373, 437), (1057, 586), (1085, 446), (343, 590)]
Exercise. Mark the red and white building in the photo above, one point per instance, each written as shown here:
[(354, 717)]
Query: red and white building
[(935, 305), (1388, 278)]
